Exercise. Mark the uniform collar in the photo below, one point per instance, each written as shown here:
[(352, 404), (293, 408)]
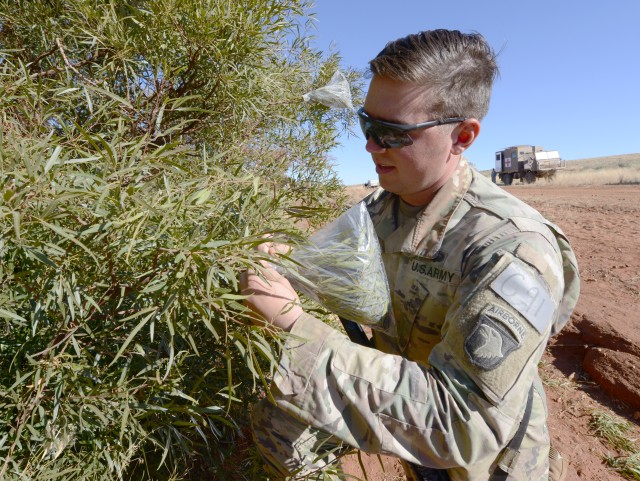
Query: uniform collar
[(424, 235)]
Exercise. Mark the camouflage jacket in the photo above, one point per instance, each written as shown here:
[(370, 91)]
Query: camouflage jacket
[(479, 281)]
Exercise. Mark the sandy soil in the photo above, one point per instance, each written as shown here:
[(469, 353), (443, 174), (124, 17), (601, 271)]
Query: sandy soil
[(603, 225)]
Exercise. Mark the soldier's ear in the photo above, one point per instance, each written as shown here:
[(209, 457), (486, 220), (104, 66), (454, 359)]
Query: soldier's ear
[(464, 135)]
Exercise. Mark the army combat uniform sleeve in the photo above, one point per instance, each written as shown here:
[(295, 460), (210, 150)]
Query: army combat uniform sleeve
[(457, 407), (460, 412)]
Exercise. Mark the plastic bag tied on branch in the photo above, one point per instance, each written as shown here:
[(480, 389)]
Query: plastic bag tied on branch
[(336, 94)]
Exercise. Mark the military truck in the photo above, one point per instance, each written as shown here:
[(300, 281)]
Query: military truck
[(527, 163)]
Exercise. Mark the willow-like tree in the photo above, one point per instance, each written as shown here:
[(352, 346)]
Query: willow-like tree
[(145, 147)]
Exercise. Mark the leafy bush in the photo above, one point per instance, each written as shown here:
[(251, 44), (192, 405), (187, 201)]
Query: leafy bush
[(145, 147)]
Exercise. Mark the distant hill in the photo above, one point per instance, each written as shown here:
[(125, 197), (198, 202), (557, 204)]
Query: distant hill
[(610, 161)]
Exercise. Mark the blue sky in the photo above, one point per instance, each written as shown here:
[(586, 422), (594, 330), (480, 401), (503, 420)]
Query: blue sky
[(569, 70)]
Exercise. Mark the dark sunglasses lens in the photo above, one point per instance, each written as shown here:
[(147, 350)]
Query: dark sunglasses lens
[(363, 126), (384, 136), (394, 140)]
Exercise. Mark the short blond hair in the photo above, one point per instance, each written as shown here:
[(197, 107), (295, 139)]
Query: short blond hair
[(457, 68)]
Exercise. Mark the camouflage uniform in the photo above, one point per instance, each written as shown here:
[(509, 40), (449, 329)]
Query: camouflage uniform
[(479, 281)]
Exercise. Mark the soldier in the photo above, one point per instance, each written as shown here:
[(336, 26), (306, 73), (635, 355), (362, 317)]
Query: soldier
[(479, 281)]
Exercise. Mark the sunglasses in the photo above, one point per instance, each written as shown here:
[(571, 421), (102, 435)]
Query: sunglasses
[(393, 136)]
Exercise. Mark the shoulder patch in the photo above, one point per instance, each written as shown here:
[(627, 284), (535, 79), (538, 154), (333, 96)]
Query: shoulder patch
[(527, 294), (509, 319), (531, 257), (489, 343)]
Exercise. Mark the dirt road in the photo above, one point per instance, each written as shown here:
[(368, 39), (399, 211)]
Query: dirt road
[(603, 226)]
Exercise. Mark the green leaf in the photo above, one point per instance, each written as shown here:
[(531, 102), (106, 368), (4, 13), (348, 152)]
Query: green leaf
[(151, 312), (12, 315), (70, 236), (53, 159)]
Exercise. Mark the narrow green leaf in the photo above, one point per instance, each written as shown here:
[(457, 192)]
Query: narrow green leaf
[(12, 315), (53, 159), (70, 236), (111, 95), (132, 334), (123, 421)]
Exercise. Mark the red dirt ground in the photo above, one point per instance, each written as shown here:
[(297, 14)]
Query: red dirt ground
[(603, 226)]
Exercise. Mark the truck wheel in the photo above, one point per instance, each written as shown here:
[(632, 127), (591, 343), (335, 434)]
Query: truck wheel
[(507, 179), (529, 177)]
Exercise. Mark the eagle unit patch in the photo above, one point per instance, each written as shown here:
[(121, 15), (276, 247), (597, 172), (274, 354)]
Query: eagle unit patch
[(492, 339)]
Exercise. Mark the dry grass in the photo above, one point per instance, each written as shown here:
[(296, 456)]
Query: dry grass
[(614, 176), (358, 192), (614, 170)]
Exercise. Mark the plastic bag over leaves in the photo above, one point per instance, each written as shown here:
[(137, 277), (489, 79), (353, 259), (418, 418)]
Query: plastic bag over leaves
[(341, 268), (336, 94)]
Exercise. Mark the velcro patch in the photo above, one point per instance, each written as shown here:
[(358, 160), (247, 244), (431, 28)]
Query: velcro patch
[(508, 318), (489, 343), (527, 294), (531, 257)]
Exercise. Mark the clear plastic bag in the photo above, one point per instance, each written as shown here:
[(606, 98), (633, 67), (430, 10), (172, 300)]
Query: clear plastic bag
[(341, 268), (336, 94)]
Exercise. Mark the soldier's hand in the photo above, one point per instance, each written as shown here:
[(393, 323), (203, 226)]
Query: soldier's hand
[(271, 297), (273, 248)]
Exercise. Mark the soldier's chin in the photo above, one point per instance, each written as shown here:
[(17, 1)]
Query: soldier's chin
[(388, 186)]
